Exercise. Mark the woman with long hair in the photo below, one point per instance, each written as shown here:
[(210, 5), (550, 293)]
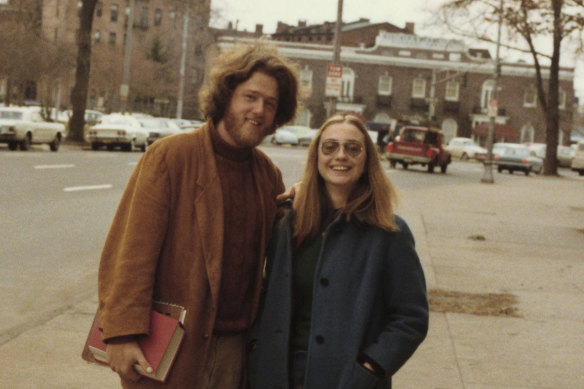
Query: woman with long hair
[(345, 303)]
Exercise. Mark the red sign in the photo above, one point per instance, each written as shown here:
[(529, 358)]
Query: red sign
[(334, 80)]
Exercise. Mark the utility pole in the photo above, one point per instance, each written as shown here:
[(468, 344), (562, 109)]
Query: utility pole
[(183, 59), (488, 174), (61, 37), (125, 87), (336, 52)]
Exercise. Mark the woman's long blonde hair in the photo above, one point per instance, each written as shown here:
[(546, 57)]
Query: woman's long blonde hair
[(374, 196)]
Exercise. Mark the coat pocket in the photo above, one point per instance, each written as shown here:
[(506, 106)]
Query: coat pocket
[(358, 377)]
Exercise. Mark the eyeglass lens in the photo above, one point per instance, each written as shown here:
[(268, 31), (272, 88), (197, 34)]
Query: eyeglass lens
[(332, 146)]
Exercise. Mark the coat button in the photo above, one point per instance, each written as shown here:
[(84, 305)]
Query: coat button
[(319, 339), (324, 281), (206, 336)]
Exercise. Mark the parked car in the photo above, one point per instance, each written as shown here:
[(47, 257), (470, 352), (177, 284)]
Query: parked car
[(419, 145), (283, 136), (159, 128), (23, 126), (466, 148), (513, 156), (118, 130), (578, 160), (565, 156)]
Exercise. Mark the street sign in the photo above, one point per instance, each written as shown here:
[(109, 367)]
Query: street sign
[(334, 80), (493, 108)]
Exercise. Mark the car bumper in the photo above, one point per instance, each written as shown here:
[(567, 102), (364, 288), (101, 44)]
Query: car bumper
[(407, 158), (109, 139)]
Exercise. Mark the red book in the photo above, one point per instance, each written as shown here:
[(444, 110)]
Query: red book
[(160, 347)]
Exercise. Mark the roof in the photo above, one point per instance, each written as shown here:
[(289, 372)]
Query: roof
[(501, 130)]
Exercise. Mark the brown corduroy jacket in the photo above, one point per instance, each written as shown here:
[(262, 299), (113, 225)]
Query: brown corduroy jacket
[(166, 242)]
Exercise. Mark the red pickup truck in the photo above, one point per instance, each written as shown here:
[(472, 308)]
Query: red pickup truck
[(419, 145)]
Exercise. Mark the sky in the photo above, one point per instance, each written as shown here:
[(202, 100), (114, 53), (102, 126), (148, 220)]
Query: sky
[(247, 13)]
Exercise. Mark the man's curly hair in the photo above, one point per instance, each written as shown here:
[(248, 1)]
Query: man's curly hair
[(235, 67)]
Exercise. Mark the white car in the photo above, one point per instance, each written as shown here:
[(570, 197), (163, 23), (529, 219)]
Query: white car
[(120, 130), (159, 128), (23, 126), (578, 160), (283, 136), (466, 148)]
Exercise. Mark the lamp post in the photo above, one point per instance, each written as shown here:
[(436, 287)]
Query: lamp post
[(336, 51), (181, 83), (488, 173), (125, 87)]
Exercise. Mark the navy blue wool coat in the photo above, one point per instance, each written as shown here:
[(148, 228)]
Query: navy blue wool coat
[(369, 299)]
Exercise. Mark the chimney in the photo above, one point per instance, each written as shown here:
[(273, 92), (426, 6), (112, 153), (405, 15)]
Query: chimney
[(302, 23), (259, 29), (409, 29)]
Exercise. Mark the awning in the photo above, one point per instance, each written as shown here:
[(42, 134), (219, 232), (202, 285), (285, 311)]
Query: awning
[(501, 131)]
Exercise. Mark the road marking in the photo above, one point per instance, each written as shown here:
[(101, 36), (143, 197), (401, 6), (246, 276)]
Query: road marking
[(87, 187), (63, 166)]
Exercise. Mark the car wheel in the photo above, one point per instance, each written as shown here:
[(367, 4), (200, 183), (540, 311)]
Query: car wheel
[(581, 172), (274, 141), (12, 146), (527, 171), (95, 146), (511, 171), (144, 147), (499, 169), (54, 145), (392, 163), (464, 157), (443, 168), (405, 165), (431, 167), (129, 146), (109, 147), (25, 143)]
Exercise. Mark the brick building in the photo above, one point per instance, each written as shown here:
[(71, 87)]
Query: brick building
[(157, 36), (403, 76)]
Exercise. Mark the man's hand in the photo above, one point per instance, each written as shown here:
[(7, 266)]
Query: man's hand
[(121, 357), (289, 193)]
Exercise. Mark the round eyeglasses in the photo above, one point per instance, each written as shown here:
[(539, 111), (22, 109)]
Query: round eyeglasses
[(352, 149)]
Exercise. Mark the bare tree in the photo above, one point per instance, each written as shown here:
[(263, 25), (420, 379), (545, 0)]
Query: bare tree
[(525, 22), (80, 89)]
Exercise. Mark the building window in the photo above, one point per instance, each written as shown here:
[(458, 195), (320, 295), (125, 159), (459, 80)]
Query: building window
[(419, 88), (452, 89), (157, 17), (114, 13), (112, 38), (562, 99), (487, 93), (527, 134), (454, 57), (530, 98), (144, 17), (98, 9), (303, 117), (438, 56), (96, 36), (172, 15), (305, 76), (384, 85), (348, 85)]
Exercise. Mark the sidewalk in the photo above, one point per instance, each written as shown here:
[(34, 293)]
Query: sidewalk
[(519, 239), (504, 265)]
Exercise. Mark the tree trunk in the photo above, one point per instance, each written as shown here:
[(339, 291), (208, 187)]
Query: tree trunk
[(552, 113), (79, 93)]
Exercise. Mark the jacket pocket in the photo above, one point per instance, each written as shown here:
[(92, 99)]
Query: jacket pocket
[(358, 377)]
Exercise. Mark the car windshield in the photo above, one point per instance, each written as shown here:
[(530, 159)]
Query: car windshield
[(153, 123), (513, 151), (11, 115)]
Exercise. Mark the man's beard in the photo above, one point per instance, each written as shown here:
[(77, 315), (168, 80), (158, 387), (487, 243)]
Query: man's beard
[(242, 138)]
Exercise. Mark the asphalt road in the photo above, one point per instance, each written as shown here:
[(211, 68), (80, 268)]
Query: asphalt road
[(56, 209)]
